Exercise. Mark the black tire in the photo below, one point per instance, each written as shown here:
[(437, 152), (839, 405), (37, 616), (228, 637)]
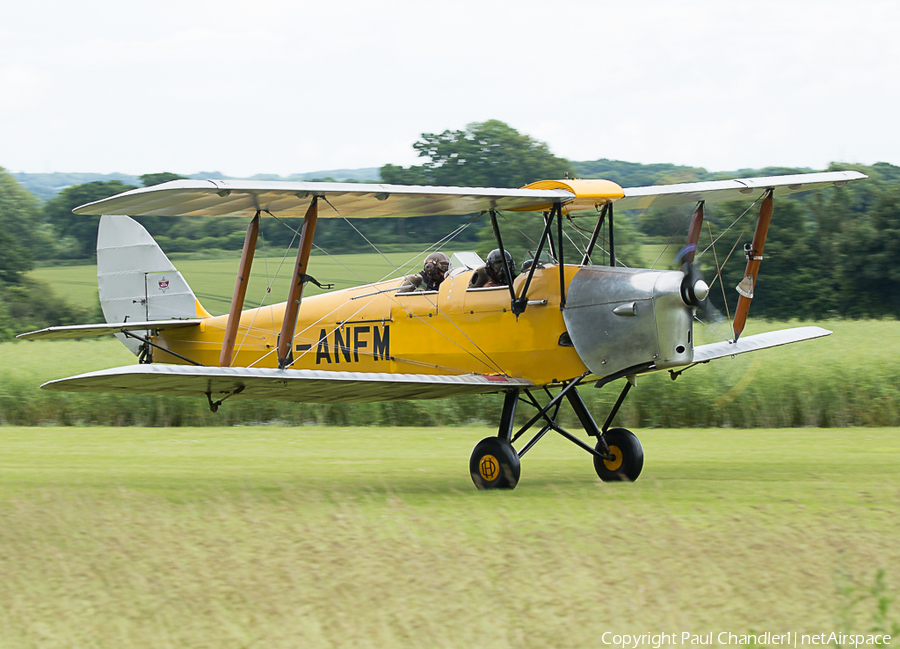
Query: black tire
[(629, 457), (494, 464)]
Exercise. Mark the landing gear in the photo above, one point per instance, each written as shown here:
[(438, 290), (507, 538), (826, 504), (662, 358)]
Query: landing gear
[(494, 464), (627, 456), (618, 455)]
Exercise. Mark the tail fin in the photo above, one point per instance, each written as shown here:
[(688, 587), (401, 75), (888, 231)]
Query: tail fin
[(136, 279)]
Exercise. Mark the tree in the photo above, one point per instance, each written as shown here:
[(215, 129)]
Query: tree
[(83, 229), (23, 300), (159, 178), (868, 270), (19, 222), (486, 154)]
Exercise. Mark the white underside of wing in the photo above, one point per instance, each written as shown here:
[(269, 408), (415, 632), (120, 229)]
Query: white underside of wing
[(314, 386), (94, 330), (704, 353)]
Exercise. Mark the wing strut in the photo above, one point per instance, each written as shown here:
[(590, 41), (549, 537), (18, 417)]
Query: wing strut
[(240, 291), (286, 339), (509, 275), (612, 240), (586, 259), (521, 302), (562, 264), (754, 253)]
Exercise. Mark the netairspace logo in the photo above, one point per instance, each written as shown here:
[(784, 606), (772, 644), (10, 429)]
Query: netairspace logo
[(725, 638)]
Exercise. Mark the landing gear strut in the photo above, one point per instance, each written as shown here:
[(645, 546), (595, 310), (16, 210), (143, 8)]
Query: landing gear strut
[(618, 455)]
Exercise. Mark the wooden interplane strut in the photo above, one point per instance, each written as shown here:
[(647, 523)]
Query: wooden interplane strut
[(285, 340), (754, 257), (240, 291)]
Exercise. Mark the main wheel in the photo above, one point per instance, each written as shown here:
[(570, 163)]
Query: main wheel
[(494, 464), (628, 456)]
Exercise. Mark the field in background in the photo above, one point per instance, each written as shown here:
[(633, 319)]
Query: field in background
[(212, 279), (274, 537)]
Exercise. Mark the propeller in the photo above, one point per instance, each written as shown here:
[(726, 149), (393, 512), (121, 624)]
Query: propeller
[(694, 289)]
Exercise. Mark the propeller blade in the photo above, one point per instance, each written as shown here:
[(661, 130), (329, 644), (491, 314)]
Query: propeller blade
[(693, 288)]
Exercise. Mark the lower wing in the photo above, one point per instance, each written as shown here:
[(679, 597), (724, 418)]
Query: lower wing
[(706, 353), (313, 386)]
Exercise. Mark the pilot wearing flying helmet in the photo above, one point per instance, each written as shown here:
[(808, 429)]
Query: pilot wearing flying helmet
[(436, 266), (493, 273)]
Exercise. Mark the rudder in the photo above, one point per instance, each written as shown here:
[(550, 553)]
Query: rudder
[(136, 280)]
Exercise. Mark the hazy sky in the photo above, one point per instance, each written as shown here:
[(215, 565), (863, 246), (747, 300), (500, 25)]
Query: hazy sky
[(286, 87)]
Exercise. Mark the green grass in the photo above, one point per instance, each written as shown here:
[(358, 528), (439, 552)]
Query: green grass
[(661, 255), (312, 537)]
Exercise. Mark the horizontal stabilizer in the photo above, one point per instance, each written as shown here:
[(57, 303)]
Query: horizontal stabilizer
[(705, 353), (94, 330), (309, 386)]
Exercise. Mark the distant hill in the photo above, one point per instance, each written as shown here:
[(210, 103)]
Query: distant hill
[(47, 185)]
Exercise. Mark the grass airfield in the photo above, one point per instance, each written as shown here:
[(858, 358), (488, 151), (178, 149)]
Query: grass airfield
[(370, 537)]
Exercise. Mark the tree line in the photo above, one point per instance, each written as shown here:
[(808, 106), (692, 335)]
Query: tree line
[(830, 253)]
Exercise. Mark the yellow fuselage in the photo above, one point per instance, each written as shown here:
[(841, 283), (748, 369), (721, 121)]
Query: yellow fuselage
[(373, 328)]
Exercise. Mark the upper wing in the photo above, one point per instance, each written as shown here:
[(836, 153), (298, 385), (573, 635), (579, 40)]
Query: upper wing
[(705, 353), (314, 386), (731, 190), (246, 197), (94, 330)]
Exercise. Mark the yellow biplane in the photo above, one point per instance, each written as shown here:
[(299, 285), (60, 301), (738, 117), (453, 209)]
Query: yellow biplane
[(557, 326)]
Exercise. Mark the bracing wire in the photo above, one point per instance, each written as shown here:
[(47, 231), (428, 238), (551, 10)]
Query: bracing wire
[(719, 275), (446, 239), (720, 267), (492, 364), (743, 214), (355, 229), (269, 284)]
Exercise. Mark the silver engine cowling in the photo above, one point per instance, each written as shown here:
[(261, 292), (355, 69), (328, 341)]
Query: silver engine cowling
[(623, 318)]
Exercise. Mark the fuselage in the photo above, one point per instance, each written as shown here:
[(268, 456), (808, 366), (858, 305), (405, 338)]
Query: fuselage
[(372, 328)]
